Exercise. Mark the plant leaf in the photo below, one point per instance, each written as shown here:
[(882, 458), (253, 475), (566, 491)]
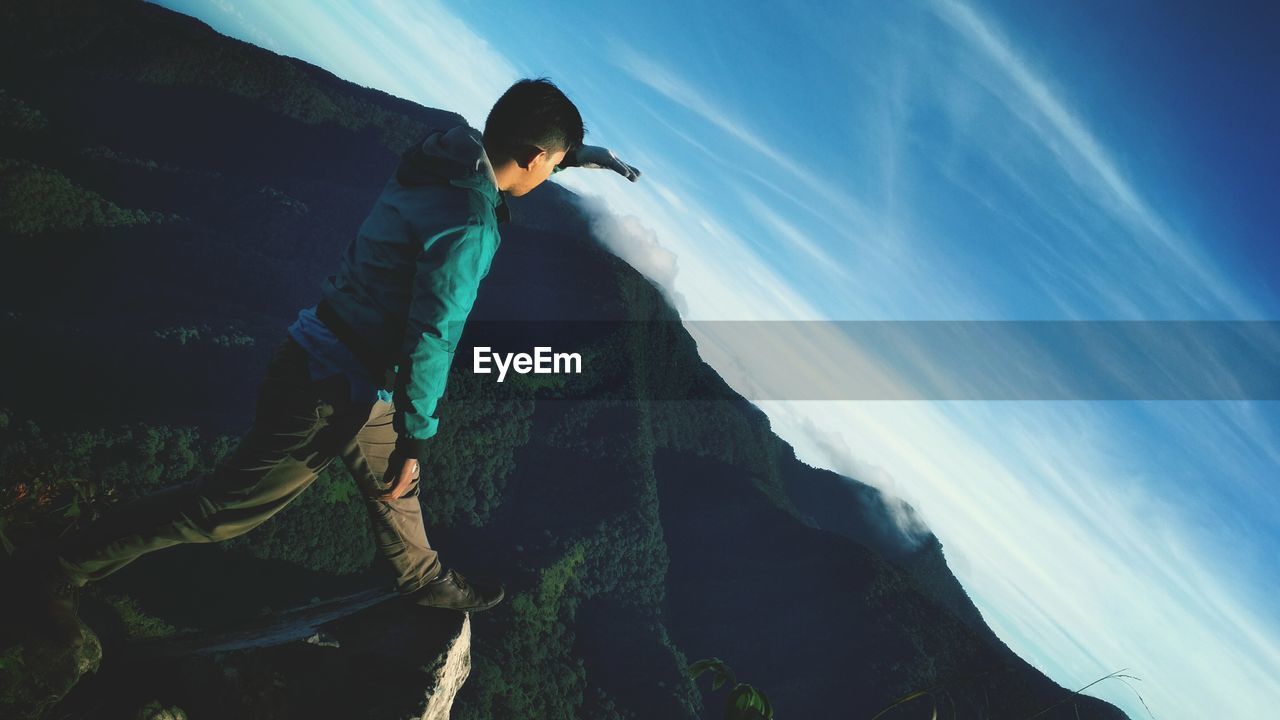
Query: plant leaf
[(736, 705), (702, 666), (768, 706)]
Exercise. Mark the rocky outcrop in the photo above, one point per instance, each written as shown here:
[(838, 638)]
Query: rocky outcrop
[(35, 673)]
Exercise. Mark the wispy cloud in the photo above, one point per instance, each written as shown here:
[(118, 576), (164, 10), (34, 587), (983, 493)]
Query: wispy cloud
[(668, 83), (791, 235), (702, 245), (731, 167), (1083, 156)]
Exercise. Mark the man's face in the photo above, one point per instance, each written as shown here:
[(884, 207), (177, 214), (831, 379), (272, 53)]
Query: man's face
[(539, 170)]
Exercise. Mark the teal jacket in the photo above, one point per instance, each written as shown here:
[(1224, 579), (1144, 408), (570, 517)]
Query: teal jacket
[(408, 280)]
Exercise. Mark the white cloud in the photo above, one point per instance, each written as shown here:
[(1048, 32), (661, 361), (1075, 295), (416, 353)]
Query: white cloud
[(1083, 156), (630, 239)]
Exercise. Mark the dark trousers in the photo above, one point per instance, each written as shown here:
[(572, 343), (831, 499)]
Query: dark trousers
[(300, 427)]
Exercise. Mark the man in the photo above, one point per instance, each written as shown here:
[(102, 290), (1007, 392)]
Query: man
[(360, 375)]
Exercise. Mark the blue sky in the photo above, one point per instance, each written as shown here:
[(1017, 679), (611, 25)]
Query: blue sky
[(940, 160)]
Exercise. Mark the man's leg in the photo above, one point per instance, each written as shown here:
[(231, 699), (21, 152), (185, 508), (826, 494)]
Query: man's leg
[(398, 528), (292, 439)]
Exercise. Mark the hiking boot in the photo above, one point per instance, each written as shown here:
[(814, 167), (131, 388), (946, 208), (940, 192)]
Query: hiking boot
[(452, 591)]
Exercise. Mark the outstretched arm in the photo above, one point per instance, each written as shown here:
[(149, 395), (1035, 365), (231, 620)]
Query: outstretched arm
[(593, 157)]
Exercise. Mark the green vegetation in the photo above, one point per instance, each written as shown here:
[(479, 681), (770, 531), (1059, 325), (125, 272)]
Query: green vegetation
[(275, 82), (325, 529), (53, 482), (1122, 675), (102, 152), (529, 669), (183, 334), (155, 710), (139, 625), (13, 676), (744, 702), (36, 199), (17, 116), (11, 660), (547, 385), (601, 542), (473, 454), (284, 200), (941, 695)]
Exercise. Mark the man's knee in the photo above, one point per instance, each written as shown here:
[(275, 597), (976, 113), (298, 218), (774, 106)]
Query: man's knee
[(219, 534), (217, 527), (219, 514)]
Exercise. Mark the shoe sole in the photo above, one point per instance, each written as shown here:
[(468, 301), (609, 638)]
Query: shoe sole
[(473, 608)]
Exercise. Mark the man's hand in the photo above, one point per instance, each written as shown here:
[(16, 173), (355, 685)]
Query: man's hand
[(408, 473), (598, 158)]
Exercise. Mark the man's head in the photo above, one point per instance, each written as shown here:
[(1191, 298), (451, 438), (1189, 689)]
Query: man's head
[(527, 133)]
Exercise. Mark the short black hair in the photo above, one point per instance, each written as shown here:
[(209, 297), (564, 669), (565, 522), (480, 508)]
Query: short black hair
[(532, 113)]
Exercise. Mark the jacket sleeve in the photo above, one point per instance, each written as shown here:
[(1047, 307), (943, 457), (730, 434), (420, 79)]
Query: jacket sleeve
[(449, 268)]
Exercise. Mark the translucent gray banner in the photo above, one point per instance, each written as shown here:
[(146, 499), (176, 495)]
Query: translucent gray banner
[(933, 360)]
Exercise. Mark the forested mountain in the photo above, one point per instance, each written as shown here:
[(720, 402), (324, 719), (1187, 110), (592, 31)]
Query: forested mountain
[(170, 198)]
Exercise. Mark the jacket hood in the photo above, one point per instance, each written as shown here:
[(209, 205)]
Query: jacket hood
[(454, 156)]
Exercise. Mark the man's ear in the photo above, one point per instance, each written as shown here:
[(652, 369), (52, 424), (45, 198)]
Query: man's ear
[(526, 155)]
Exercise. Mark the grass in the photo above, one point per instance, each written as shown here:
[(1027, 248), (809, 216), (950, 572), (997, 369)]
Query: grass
[(1123, 675)]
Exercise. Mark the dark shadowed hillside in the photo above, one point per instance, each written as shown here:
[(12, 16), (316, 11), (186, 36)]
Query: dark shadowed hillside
[(169, 199)]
